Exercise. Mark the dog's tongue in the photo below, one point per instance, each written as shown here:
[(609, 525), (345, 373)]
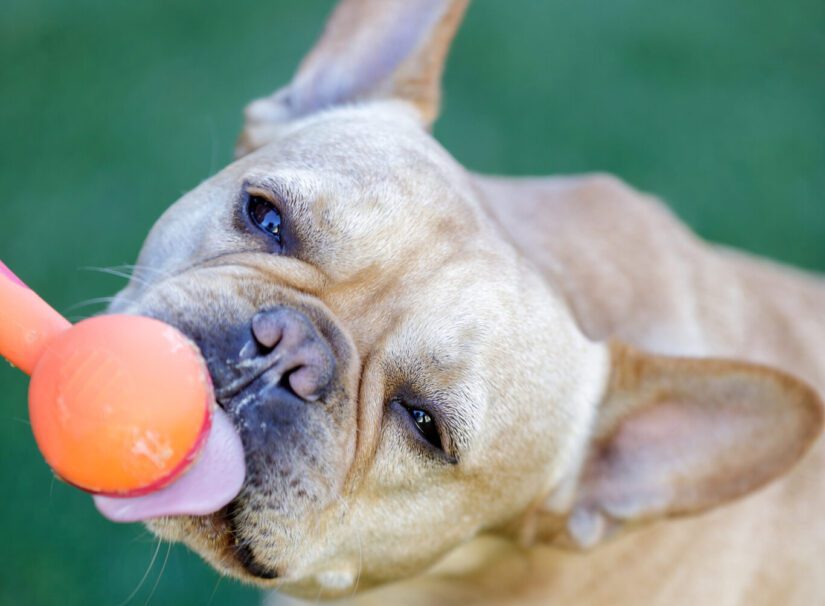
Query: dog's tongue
[(213, 481)]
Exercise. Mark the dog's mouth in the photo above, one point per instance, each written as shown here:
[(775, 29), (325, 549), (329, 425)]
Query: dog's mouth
[(284, 360), (216, 537), (213, 480), (232, 550), (280, 411), (240, 550)]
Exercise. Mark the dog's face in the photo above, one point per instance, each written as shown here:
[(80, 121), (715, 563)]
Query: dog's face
[(435, 337), (401, 378)]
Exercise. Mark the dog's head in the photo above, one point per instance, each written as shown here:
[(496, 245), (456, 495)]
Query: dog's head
[(401, 377)]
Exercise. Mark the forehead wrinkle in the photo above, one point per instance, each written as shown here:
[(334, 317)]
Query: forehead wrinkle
[(369, 145), (293, 186), (329, 203), (381, 188)]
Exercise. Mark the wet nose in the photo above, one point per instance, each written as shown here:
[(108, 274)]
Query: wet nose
[(284, 341)]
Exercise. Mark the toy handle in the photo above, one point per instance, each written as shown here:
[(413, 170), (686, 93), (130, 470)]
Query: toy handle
[(27, 322)]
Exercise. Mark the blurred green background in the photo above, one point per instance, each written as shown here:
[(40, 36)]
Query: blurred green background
[(111, 109)]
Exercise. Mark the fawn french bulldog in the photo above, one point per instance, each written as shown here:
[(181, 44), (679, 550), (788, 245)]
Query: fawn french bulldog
[(483, 390)]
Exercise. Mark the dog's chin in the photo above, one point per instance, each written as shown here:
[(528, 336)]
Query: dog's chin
[(285, 489), (214, 538)]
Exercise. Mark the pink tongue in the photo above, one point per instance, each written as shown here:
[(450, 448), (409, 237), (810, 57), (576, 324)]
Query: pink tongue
[(213, 481)]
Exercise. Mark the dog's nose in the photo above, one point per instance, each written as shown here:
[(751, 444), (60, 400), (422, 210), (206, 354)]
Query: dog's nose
[(285, 341)]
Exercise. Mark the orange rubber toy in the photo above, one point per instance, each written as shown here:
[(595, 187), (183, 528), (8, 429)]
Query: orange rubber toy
[(119, 405)]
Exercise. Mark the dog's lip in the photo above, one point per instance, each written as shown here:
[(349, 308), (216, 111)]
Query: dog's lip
[(241, 551), (226, 553)]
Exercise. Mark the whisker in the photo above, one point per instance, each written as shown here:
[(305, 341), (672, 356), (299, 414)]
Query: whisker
[(144, 577), (135, 267), (360, 555), (113, 271), (160, 574), (87, 302), (214, 591), (141, 536)]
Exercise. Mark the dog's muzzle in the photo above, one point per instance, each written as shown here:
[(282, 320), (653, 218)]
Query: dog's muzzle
[(278, 362), (265, 373), (281, 343)]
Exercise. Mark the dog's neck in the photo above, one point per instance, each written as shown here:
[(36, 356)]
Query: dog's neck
[(631, 271)]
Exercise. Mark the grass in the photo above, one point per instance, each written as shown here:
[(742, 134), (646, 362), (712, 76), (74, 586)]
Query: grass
[(110, 110)]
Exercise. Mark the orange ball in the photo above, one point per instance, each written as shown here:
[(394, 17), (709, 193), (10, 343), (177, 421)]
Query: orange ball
[(120, 405)]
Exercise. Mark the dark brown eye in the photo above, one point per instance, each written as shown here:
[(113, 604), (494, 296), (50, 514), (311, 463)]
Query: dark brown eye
[(426, 426), (265, 217)]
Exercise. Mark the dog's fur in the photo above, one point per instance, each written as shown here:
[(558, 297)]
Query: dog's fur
[(594, 367)]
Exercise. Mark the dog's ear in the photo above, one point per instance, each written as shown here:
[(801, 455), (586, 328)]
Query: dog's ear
[(370, 49), (677, 436)]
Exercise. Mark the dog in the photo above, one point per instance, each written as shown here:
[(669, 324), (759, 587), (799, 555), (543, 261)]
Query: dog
[(454, 388)]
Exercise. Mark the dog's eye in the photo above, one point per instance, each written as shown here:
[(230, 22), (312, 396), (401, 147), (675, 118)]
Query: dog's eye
[(265, 216), (426, 426), (427, 432)]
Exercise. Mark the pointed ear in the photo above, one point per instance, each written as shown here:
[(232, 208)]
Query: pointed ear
[(393, 49), (678, 436)]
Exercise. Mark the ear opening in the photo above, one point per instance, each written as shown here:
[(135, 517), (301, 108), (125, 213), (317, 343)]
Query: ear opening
[(370, 49), (678, 436)]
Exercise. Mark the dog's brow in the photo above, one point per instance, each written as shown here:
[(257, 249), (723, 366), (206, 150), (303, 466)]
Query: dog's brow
[(283, 189), (456, 409), (432, 383)]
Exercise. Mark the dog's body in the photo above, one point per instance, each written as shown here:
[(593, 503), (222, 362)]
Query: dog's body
[(416, 356)]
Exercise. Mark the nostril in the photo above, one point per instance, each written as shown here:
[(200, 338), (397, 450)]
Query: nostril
[(284, 345), (267, 330), (307, 381), (285, 383), (313, 370), (262, 349)]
